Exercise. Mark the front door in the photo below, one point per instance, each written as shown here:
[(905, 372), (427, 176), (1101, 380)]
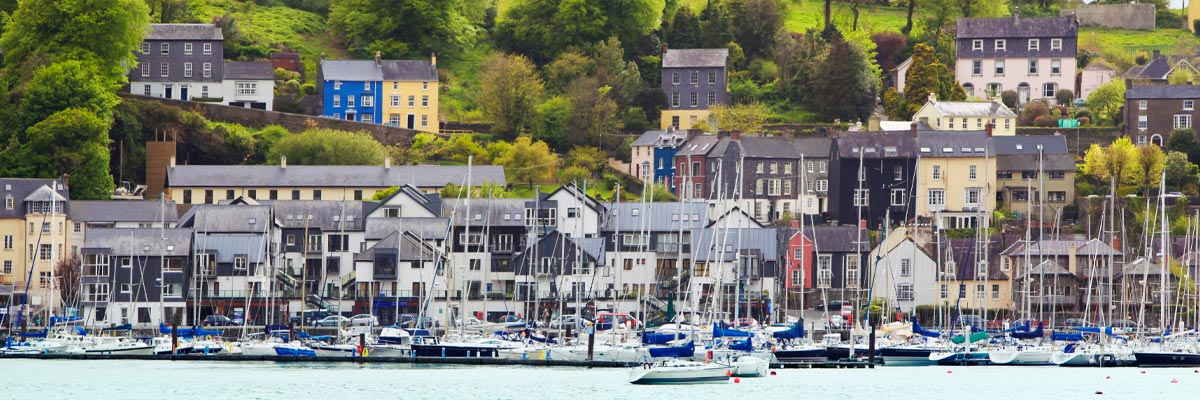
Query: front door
[(412, 121), (1023, 94), (167, 91), (183, 93)]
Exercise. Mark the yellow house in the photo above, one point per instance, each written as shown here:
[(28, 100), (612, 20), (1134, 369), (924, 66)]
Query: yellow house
[(33, 226), (410, 94), (1034, 173), (968, 275), (211, 184), (955, 179), (967, 116)]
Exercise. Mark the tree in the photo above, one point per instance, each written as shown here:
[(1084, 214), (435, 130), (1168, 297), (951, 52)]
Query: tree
[(593, 111), (509, 93), (1032, 111), (591, 159), (461, 147), (68, 271), (1179, 170), (755, 23), (328, 147), (63, 85), (542, 29), (385, 193), (73, 141), (528, 161), (926, 75), (846, 88), (740, 117), (684, 30), (1180, 76), (888, 46), (552, 117), (1063, 97), (659, 192), (1118, 162), (1184, 140), (1105, 102), (104, 33), (1150, 167), (893, 103), (406, 28), (714, 26), (573, 174)]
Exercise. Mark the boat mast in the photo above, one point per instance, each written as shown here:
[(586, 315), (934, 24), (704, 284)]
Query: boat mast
[(162, 248), (462, 296), (1164, 258)]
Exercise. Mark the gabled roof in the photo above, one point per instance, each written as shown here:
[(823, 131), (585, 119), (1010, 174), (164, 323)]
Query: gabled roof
[(965, 253), (410, 248), (486, 212), (1006, 27), (253, 246), (656, 216), (425, 228), (1011, 145), (18, 189), (1048, 267), (248, 70), (341, 176), (955, 144), (698, 146), (208, 218), (1162, 92), (813, 147), (386, 70), (876, 144), (432, 202), (1140, 267), (708, 243), (1093, 247), (754, 146), (122, 211), (45, 193), (661, 138), (1098, 65), (694, 58), (328, 216), (139, 241), (1159, 68), (838, 239), (575, 191), (973, 109), (184, 32), (736, 209)]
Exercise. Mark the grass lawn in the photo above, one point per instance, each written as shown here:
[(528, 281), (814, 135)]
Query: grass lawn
[(1165, 39), (302, 31), (806, 15)]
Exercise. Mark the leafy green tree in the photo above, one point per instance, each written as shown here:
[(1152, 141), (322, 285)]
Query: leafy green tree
[(104, 33), (1179, 170), (574, 174), (1118, 162), (385, 193), (460, 147), (510, 91), (591, 159), (1184, 140), (893, 104), (593, 111), (1150, 167), (684, 30), (63, 85), (1180, 76), (75, 142), (927, 75), (715, 29), (407, 28), (847, 88), (328, 147), (552, 118), (528, 161), (497, 148), (755, 24), (740, 117), (542, 29), (660, 192), (1105, 102)]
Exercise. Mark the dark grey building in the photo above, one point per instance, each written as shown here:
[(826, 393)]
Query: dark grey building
[(136, 276), (888, 161), (693, 80), (180, 61), (1152, 111)]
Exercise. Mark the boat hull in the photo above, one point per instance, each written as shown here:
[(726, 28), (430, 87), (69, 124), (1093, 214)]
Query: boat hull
[(1021, 357), (442, 350), (144, 350), (659, 375), (906, 357), (1167, 359), (750, 366), (959, 358), (812, 354)]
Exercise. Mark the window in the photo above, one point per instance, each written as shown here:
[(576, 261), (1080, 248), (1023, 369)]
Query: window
[(295, 195), (787, 168), (823, 185), (822, 166), (810, 167), (1035, 44), (1033, 64), (424, 120), (904, 292), (774, 168), (976, 67), (368, 101), (999, 67), (944, 291), (787, 189), (145, 70), (8, 242), (969, 88), (994, 89), (712, 98), (1048, 89), (7, 268), (1001, 44), (905, 267), (972, 196), (145, 48), (674, 78), (204, 91), (273, 194), (1142, 123), (674, 99), (349, 101), (207, 70), (44, 252), (693, 99), (1182, 121), (980, 291), (852, 271), (898, 173), (1189, 105), (937, 199), (1055, 67), (1141, 104), (981, 269), (164, 48), (543, 267), (187, 70), (937, 172), (824, 271), (207, 49), (394, 101), (337, 101), (164, 70), (861, 197), (1055, 44), (995, 292), (1057, 174), (425, 101), (313, 244), (393, 120), (317, 196), (898, 197), (694, 78), (712, 78), (1056, 197), (187, 49), (971, 173), (977, 45)]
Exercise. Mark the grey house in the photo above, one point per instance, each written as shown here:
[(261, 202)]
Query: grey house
[(694, 80), (236, 247), (812, 182), (136, 276), (180, 61)]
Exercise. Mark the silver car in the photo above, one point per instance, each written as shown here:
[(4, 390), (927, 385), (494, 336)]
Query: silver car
[(364, 320)]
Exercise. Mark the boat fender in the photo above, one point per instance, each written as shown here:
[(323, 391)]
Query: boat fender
[(208, 337)]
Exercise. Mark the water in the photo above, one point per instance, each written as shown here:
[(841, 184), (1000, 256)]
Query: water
[(157, 380)]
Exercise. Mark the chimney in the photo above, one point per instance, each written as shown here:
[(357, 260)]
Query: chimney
[(66, 180), (433, 59), (172, 162), (691, 133), (932, 97), (283, 161), (1017, 15), (1071, 264), (988, 127), (387, 163), (378, 59), (736, 135), (862, 224), (913, 128), (873, 123), (664, 48), (1156, 54), (1116, 244)]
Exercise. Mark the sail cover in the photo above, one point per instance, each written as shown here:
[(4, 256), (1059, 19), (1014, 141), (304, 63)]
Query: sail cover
[(660, 338), (718, 331), (685, 351), (795, 332), (918, 329), (1036, 333), (741, 345)]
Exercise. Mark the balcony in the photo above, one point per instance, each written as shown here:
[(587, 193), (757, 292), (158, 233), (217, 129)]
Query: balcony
[(1052, 300)]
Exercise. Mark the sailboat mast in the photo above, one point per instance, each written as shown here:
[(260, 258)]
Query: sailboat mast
[(462, 300), (1164, 258)]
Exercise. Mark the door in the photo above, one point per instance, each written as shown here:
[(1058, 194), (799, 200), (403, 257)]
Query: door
[(412, 121), (167, 91), (1023, 93), (183, 93)]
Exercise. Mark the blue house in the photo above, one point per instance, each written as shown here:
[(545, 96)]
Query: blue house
[(350, 88), (653, 152), (401, 93)]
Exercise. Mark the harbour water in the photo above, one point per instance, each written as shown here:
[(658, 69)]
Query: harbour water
[(157, 380)]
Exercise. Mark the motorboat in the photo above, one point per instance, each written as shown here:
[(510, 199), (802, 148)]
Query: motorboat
[(749, 366), (115, 345), (33, 347), (1022, 354), (667, 372), (163, 345)]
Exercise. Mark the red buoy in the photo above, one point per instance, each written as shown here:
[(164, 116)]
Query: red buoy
[(728, 373), (1174, 380), (737, 380), (1143, 372), (949, 372), (772, 373), (1108, 377)]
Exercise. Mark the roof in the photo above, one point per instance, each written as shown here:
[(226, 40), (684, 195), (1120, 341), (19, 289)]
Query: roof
[(206, 218), (248, 70), (1011, 145), (1093, 247), (328, 216), (697, 146), (661, 138), (122, 211), (430, 201), (683, 58), (1141, 267), (965, 253), (1158, 68), (656, 216), (252, 246), (835, 239), (412, 248), (140, 241), (19, 189), (1048, 267), (44, 193), (954, 144), (1027, 162), (487, 212), (1098, 65), (813, 147), (1017, 27), (386, 70), (426, 228), (754, 146), (184, 32), (895, 125), (352, 176), (877, 143), (762, 241), (1154, 92), (980, 109)]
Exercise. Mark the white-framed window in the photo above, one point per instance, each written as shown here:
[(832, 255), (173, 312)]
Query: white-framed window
[(675, 100), (981, 269), (694, 78), (977, 45), (1048, 89), (674, 78), (394, 120), (1055, 67), (1033, 65), (1189, 105), (712, 78), (904, 292), (937, 199), (1001, 45), (937, 172), (980, 291), (164, 48), (207, 49), (995, 292), (337, 85), (852, 271), (898, 172), (787, 188), (187, 49), (424, 100), (8, 242), (972, 197), (424, 120), (861, 197), (239, 263), (543, 267), (1142, 123), (1141, 104), (207, 70), (1055, 44), (350, 101), (337, 101), (187, 70), (977, 68), (712, 98), (394, 101), (1035, 44), (821, 165), (424, 85), (905, 267), (972, 172), (824, 271), (822, 185), (204, 91), (145, 69), (247, 88), (145, 48), (999, 67), (796, 277), (693, 99), (1183, 121), (412, 101), (365, 117), (810, 167), (899, 197), (164, 70), (368, 101), (944, 291), (951, 271)]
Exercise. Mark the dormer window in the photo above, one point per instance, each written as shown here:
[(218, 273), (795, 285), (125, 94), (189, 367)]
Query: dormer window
[(1001, 45), (1055, 44), (977, 45), (1035, 44), (9, 203)]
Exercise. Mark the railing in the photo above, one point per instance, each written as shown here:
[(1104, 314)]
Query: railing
[(1056, 300), (349, 278)]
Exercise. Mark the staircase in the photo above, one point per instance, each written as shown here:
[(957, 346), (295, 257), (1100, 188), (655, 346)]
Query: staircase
[(318, 302), (286, 279), (656, 303)]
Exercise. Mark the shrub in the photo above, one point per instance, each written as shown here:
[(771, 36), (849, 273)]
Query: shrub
[(1064, 96), (1032, 110), (1009, 97), (1045, 121)]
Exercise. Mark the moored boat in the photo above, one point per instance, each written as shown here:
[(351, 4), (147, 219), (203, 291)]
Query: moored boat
[(669, 372)]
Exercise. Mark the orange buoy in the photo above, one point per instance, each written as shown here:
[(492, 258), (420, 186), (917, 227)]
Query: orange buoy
[(737, 380)]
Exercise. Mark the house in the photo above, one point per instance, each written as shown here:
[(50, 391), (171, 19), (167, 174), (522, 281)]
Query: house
[(734, 266), (139, 276), (406, 202), (829, 262), (967, 277), (1151, 112), (967, 116), (235, 253), (653, 153), (814, 171), (180, 61), (209, 184), (1020, 160), (400, 269), (691, 177), (694, 80), (1034, 56), (1076, 263), (484, 239), (1157, 71), (248, 84), (1096, 74), (647, 242), (905, 271), (873, 176), (86, 215), (401, 93), (320, 241), (560, 267), (33, 224), (762, 170), (1141, 283), (955, 182)]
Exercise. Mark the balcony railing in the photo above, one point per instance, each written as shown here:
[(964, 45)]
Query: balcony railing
[(1052, 300)]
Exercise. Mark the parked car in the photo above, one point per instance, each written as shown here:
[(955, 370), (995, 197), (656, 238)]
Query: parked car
[(310, 316), (238, 318), (832, 305), (364, 320), (836, 322), (218, 320), (564, 321), (332, 320), (469, 321), (747, 321)]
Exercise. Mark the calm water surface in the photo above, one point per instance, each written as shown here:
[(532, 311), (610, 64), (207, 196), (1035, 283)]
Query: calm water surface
[(157, 380)]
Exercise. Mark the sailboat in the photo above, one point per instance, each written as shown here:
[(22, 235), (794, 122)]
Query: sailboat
[(1168, 350)]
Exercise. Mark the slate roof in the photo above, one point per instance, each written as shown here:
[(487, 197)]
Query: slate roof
[(813, 147), (698, 146), (1028, 145), (139, 241), (1093, 247), (656, 216), (410, 249), (661, 138), (430, 201), (253, 246), (45, 193), (1098, 65), (122, 211), (694, 58), (387, 70), (19, 189), (836, 239), (1026, 162), (754, 146), (426, 228), (425, 176), (969, 28), (184, 32), (973, 109), (965, 254), (1158, 68), (208, 218), (328, 216), (876, 142), (1157, 92), (248, 70), (1140, 267), (708, 241), (491, 212), (1048, 267), (954, 144)]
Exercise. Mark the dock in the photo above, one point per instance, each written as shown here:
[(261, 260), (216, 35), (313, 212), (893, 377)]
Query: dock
[(292, 359)]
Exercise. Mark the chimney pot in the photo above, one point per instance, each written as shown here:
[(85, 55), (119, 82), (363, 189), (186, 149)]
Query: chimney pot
[(664, 48), (932, 97), (736, 135), (387, 163), (172, 162), (913, 129), (378, 59), (283, 161), (66, 181), (433, 59), (795, 223)]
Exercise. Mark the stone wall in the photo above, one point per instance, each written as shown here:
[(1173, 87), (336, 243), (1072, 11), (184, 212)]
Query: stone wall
[(1078, 140), (387, 135), (1123, 16)]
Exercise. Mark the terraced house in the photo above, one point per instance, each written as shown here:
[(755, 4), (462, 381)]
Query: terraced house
[(694, 81), (33, 227), (401, 93), (1033, 56)]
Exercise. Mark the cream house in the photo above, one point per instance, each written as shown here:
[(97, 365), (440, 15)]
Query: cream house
[(955, 178), (968, 116)]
